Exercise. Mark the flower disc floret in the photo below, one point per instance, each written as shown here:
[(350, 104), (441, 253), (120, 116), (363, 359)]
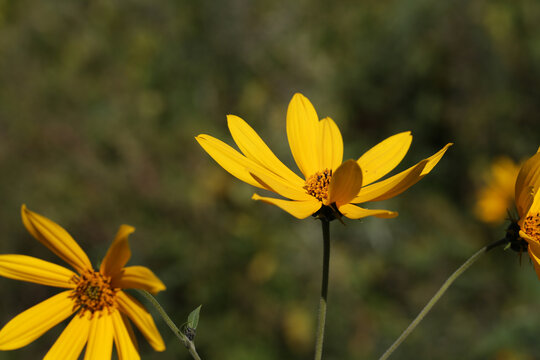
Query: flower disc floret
[(531, 226), (93, 293), (318, 183)]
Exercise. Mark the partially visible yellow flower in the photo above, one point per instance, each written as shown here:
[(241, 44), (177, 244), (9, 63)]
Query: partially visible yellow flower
[(528, 206), (497, 195), (317, 148), (102, 308)]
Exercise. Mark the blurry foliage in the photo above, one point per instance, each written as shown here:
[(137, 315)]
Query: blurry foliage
[(99, 104)]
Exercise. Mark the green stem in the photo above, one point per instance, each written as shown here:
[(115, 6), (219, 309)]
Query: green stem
[(324, 289), (438, 295), (190, 345)]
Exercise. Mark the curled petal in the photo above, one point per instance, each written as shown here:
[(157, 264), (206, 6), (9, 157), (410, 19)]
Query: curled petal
[(298, 209), (356, 212), (345, 183), (279, 185), (331, 144), (303, 134), (34, 322), (255, 149), (56, 239), (384, 157), (138, 277), (70, 343), (397, 184), (528, 184), (119, 253), (31, 269)]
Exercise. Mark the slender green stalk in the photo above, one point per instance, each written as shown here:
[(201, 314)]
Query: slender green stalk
[(190, 345), (438, 295), (324, 289)]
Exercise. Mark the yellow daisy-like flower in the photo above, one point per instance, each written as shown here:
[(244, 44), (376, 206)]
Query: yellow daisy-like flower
[(528, 207), (102, 308), (497, 195), (317, 148)]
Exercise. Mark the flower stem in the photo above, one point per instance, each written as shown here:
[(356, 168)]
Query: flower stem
[(324, 289), (438, 295), (190, 345)]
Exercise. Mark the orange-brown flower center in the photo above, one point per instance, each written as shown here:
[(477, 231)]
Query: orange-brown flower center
[(93, 292), (531, 226), (317, 184)]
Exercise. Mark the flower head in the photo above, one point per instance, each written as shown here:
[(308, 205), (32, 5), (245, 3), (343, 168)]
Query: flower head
[(103, 311), (329, 185), (497, 195), (528, 206)]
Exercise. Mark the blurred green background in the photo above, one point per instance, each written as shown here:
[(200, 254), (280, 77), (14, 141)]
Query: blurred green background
[(99, 105)]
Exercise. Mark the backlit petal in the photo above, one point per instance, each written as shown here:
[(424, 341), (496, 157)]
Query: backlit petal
[(527, 184), (70, 343), (396, 184), (331, 144), (231, 160), (124, 344), (141, 318), (303, 134), (356, 212), (31, 269), (384, 157), (534, 253), (56, 239), (119, 253), (345, 183), (298, 209), (100, 338), (138, 277), (34, 322), (255, 149)]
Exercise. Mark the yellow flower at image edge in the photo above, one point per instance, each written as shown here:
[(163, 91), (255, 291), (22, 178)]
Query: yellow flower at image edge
[(317, 148), (528, 207), (102, 309)]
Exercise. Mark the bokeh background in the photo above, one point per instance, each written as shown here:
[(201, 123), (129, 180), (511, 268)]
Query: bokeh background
[(99, 105)]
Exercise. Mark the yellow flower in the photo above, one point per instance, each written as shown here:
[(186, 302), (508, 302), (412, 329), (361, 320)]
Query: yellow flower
[(317, 148), (102, 308), (528, 207), (497, 195)]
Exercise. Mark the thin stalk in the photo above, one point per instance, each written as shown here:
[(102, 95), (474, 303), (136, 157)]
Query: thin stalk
[(190, 345), (324, 289), (438, 295)]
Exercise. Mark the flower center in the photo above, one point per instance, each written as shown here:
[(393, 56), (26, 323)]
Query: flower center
[(531, 226), (93, 292), (317, 184)]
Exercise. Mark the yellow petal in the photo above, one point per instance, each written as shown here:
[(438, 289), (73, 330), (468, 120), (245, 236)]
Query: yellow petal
[(56, 239), (34, 322), (279, 185), (356, 212), (527, 184), (130, 330), (331, 144), (298, 209), (255, 149), (534, 253), (119, 253), (345, 183), (138, 277), (303, 134), (141, 318), (229, 159), (31, 269), (396, 184), (384, 157), (125, 347), (70, 343), (100, 338)]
